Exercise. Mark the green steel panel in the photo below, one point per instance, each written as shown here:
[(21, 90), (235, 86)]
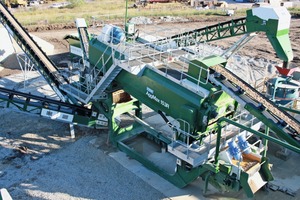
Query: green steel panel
[(278, 38), (98, 49)]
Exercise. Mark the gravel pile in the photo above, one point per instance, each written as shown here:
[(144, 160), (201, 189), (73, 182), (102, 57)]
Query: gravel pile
[(140, 20), (173, 19), (251, 69)]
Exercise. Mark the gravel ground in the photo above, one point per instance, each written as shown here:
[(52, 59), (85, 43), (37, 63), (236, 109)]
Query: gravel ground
[(40, 161), (79, 170)]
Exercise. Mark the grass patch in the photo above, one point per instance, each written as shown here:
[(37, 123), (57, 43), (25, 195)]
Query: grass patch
[(106, 10), (295, 11)]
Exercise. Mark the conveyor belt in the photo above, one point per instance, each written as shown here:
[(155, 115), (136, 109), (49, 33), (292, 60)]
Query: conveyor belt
[(219, 31), (84, 41), (37, 101), (266, 109), (33, 51), (53, 109)]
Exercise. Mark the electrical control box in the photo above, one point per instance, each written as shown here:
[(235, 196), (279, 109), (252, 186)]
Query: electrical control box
[(130, 29)]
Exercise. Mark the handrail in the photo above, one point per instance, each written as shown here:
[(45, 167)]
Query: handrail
[(161, 58), (272, 139)]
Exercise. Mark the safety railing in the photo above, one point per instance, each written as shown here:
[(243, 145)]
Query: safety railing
[(93, 75), (140, 55), (245, 119), (241, 135), (134, 56), (185, 131)]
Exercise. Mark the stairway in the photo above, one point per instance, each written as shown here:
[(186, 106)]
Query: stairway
[(105, 81), (97, 91)]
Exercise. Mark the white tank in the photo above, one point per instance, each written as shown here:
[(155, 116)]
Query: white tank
[(111, 34), (105, 34)]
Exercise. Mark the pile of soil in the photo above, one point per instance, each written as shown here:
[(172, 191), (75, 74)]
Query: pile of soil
[(9, 66)]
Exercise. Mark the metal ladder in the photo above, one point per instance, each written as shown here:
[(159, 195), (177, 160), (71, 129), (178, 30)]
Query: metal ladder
[(105, 81), (98, 85)]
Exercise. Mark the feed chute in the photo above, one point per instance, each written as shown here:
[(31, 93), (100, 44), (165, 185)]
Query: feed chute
[(275, 22)]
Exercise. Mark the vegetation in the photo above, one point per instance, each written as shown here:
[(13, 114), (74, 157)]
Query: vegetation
[(104, 10), (295, 11), (67, 14)]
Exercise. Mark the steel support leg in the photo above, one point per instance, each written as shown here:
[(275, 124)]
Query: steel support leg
[(72, 131)]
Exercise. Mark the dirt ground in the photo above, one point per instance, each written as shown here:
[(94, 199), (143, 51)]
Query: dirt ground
[(36, 149), (259, 47)]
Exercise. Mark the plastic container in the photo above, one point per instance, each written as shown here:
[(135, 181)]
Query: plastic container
[(243, 144), (234, 150)]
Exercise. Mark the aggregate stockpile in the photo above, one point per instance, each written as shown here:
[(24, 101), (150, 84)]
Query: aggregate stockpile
[(15, 3), (205, 134)]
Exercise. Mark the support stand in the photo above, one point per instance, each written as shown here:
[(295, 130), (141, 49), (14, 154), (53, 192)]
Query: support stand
[(72, 131)]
